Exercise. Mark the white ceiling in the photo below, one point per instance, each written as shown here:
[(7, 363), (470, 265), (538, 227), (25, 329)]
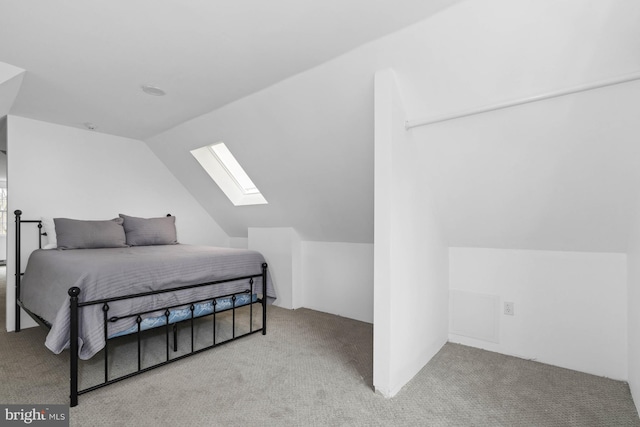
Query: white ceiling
[(85, 61), (556, 175)]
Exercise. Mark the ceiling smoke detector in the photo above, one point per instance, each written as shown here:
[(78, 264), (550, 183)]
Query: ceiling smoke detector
[(153, 90)]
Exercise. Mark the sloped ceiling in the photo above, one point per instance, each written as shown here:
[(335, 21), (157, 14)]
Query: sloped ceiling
[(10, 81), (562, 175), (307, 143), (259, 76), (555, 175), (85, 61)]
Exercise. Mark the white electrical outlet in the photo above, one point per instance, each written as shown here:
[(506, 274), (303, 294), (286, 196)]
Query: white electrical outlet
[(508, 308)]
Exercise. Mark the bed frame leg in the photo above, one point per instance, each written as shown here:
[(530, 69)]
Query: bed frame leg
[(17, 318), (73, 346), (17, 213), (175, 337), (264, 298)]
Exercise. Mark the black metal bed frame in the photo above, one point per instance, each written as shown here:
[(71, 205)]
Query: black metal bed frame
[(76, 305)]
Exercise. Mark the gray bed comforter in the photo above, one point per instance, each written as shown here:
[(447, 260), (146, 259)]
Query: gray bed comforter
[(104, 273)]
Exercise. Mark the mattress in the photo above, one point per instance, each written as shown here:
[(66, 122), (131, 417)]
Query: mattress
[(112, 272)]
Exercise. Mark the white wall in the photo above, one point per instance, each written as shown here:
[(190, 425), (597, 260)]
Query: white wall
[(331, 277), (410, 254), (633, 311), (570, 307), (3, 180), (239, 242), (281, 247), (10, 82), (337, 278), (58, 171)]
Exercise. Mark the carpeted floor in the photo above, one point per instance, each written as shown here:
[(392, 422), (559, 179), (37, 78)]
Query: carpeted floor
[(315, 369)]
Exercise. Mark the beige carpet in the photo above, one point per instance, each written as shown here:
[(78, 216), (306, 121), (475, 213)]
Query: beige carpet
[(316, 369)]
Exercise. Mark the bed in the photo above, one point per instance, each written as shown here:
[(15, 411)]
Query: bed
[(110, 279)]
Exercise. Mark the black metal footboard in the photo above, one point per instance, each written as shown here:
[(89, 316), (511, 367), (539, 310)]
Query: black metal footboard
[(170, 327), (76, 305)]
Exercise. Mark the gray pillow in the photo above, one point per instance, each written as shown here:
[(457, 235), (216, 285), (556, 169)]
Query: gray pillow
[(150, 231), (80, 234)]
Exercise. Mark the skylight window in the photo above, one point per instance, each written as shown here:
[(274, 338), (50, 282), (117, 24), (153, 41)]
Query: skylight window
[(224, 169)]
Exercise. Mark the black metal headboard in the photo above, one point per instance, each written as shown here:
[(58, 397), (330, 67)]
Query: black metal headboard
[(18, 263)]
